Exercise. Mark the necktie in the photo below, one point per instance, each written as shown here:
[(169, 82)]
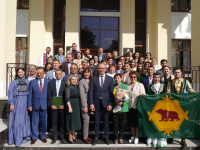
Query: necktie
[(101, 82), (58, 87), (40, 86)]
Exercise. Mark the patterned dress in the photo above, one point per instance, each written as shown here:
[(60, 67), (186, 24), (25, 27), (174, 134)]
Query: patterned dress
[(161, 142), (19, 121)]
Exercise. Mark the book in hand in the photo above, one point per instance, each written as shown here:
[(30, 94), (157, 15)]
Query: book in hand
[(57, 101)]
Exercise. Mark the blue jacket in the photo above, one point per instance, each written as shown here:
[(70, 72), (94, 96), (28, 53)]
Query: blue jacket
[(106, 93), (145, 82), (35, 98), (103, 57)]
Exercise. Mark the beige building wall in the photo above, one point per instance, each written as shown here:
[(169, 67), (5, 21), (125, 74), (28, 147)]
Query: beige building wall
[(195, 32), (7, 38), (159, 29), (72, 23), (40, 28), (127, 25)]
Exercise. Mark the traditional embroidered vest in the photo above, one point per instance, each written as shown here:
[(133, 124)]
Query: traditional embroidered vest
[(182, 88), (154, 89), (45, 59)]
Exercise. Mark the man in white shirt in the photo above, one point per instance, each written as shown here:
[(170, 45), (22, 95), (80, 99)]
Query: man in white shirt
[(42, 61)]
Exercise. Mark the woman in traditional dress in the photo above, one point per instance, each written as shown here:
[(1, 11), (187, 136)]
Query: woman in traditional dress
[(19, 130), (157, 88)]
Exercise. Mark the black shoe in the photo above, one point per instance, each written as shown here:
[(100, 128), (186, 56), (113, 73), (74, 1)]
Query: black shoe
[(107, 141), (94, 141), (170, 141), (75, 140), (183, 143), (63, 141), (53, 141)]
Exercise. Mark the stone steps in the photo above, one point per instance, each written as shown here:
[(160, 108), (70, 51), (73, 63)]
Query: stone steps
[(193, 144)]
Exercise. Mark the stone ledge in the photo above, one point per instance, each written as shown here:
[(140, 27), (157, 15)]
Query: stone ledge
[(193, 144)]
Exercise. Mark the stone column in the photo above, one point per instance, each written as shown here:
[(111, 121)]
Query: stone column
[(7, 38), (127, 25)]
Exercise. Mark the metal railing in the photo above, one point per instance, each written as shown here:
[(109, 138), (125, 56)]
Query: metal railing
[(191, 73)]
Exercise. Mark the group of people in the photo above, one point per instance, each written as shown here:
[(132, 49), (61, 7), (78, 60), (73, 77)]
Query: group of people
[(86, 84)]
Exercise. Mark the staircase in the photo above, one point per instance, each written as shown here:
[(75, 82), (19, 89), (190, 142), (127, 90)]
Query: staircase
[(193, 144)]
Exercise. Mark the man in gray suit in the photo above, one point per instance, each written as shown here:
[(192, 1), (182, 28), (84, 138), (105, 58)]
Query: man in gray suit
[(163, 63), (51, 74), (73, 71)]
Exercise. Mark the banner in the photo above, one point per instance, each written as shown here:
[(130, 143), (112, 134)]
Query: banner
[(169, 115)]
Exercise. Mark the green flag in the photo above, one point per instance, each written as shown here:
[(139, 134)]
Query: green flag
[(169, 115)]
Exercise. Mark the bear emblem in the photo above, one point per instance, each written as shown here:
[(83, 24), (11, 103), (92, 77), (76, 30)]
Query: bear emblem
[(166, 115)]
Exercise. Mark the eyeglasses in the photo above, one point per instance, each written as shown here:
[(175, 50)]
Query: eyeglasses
[(134, 77)]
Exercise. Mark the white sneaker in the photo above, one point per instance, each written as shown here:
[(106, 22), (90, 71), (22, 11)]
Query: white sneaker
[(136, 141), (131, 139)]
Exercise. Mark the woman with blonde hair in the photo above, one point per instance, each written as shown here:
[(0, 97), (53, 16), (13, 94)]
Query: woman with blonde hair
[(133, 65), (72, 98)]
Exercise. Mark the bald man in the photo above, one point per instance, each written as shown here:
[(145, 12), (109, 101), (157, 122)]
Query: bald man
[(101, 100)]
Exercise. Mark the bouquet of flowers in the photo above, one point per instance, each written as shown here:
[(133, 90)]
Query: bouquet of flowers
[(120, 95)]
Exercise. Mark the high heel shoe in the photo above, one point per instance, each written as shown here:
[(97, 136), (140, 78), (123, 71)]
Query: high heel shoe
[(75, 140), (71, 142)]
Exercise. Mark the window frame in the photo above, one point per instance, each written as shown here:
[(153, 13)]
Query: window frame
[(99, 8), (144, 45), (179, 7), (60, 19), (20, 5), (19, 48), (179, 50), (106, 50)]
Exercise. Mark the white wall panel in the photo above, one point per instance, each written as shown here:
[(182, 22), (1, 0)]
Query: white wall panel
[(181, 25), (22, 23)]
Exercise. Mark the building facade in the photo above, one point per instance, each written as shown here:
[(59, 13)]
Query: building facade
[(168, 29)]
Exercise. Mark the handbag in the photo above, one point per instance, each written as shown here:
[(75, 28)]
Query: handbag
[(22, 86)]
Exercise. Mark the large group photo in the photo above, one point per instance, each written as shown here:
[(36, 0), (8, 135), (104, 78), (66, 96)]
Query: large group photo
[(99, 74), (63, 92)]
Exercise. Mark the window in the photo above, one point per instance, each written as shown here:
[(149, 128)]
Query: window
[(21, 50), (181, 5), (181, 53), (99, 32), (22, 4), (100, 5), (140, 26), (59, 26)]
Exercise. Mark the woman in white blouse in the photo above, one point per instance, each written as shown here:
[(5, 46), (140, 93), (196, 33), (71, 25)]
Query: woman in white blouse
[(135, 89), (154, 64)]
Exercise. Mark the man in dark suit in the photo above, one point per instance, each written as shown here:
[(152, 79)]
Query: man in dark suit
[(73, 71), (65, 67), (101, 99), (37, 104), (148, 80), (56, 88), (101, 55)]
